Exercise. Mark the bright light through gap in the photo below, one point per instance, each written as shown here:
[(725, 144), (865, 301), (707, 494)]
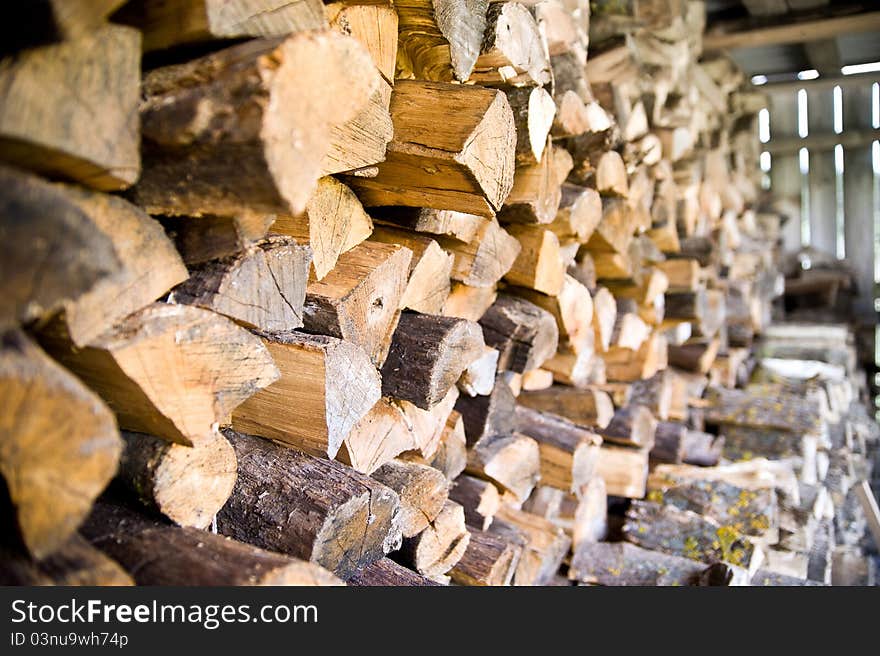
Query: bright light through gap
[(765, 162), (804, 159), (810, 74), (758, 80), (764, 125), (855, 69), (803, 123), (838, 110)]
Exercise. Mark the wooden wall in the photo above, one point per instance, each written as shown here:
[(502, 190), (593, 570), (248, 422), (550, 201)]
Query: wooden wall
[(815, 193)]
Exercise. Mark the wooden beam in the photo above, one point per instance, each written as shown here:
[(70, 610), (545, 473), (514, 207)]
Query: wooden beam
[(824, 55), (822, 82), (812, 30), (822, 141)]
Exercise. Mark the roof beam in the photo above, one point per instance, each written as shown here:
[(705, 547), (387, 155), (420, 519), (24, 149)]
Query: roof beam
[(811, 30)]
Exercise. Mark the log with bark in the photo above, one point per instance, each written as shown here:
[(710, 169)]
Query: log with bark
[(75, 563), (189, 556), (428, 355), (437, 549), (386, 572), (318, 510), (513, 463), (524, 334), (489, 560), (479, 498)]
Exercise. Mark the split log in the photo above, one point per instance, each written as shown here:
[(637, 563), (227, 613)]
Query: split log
[(333, 382), (513, 463), (172, 371), (621, 563), (575, 369), (333, 223), (319, 510), (536, 191), (524, 334), (655, 393), (513, 50), (428, 354), (57, 232), (478, 379), (611, 178), (357, 145), (629, 332), (150, 266), (76, 562), (210, 161), (683, 274), (614, 266), (479, 498), (488, 560), (545, 545), (437, 549), (604, 317), (539, 264), (429, 270), (263, 287), (466, 302), (537, 379), (485, 259), (583, 269), (615, 231), (573, 311), (422, 490), (632, 425), (580, 210), (59, 449), (568, 453), (45, 126), (678, 532), (358, 299), (467, 166), (166, 24), (665, 237), (427, 426), (584, 407), (188, 485), (625, 366), (451, 454), (446, 223), (375, 26), (381, 435), (385, 572), (440, 39), (533, 113), (488, 416), (624, 470), (190, 557), (589, 521), (200, 239)]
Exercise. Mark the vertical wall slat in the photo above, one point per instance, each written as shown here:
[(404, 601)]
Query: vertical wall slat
[(822, 178), (785, 174), (858, 193)]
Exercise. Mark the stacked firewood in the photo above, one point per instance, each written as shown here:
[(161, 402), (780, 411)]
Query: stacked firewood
[(401, 294)]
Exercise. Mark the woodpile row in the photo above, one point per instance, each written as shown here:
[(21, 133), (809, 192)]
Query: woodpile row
[(418, 293)]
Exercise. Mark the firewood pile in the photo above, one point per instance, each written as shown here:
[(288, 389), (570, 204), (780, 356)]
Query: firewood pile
[(431, 292)]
